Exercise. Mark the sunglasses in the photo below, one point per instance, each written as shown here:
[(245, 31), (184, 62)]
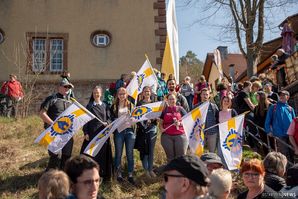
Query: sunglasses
[(166, 176), (69, 87)]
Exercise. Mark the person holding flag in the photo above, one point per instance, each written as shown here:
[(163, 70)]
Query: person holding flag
[(122, 106), (146, 136), (173, 139), (144, 77), (212, 134), (92, 128), (50, 109)]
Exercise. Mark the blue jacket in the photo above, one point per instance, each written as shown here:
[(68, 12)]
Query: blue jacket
[(279, 118)]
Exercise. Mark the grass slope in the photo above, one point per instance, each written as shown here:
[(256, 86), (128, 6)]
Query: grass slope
[(22, 163)]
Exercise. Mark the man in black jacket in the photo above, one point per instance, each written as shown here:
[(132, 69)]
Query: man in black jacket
[(50, 109)]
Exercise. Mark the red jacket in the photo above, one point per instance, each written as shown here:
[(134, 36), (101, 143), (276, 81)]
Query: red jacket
[(12, 89)]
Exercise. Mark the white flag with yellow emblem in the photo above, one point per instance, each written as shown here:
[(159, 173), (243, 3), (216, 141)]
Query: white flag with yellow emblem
[(64, 127), (230, 137), (147, 111), (144, 77), (98, 141), (144, 112), (193, 124)]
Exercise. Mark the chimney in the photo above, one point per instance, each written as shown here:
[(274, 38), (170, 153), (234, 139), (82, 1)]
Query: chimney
[(232, 71), (223, 52)]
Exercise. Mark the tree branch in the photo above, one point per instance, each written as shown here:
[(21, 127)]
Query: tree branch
[(260, 37), (237, 29), (244, 19)]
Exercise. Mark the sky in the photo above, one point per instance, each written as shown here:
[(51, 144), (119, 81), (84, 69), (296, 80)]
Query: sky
[(202, 38)]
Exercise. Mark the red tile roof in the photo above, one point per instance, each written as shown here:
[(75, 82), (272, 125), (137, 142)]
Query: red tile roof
[(237, 59)]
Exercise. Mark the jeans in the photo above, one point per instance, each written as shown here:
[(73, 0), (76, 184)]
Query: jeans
[(189, 101), (128, 137), (147, 160), (10, 109)]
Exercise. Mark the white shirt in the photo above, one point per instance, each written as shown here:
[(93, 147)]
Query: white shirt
[(94, 103)]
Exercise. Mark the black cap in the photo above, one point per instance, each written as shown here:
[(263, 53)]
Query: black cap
[(191, 167), (211, 158)]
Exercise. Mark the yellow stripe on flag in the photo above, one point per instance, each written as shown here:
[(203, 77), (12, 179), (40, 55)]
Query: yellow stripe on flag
[(148, 72), (196, 114), (157, 109), (135, 94), (79, 112), (200, 150), (231, 124), (47, 139), (91, 148), (167, 61)]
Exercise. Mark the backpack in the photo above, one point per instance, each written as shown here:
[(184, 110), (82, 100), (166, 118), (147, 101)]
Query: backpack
[(274, 110)]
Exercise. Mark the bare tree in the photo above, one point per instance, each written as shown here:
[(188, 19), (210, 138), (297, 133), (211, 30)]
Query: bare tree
[(247, 22)]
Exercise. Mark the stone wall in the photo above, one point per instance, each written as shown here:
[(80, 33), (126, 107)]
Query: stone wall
[(82, 91)]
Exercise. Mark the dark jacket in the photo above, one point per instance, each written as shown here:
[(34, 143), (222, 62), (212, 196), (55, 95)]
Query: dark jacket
[(274, 181), (268, 193)]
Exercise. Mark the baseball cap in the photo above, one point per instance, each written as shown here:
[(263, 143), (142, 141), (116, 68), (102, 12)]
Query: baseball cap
[(284, 92), (191, 167), (65, 82), (211, 158)]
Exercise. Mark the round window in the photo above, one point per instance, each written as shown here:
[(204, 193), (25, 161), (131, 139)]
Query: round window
[(100, 39), (1, 36)]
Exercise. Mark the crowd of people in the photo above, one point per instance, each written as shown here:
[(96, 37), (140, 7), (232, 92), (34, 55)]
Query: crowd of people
[(270, 125), (185, 177), (269, 119)]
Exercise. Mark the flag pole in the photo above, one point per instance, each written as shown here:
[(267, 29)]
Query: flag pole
[(87, 111), (225, 121), (146, 56)]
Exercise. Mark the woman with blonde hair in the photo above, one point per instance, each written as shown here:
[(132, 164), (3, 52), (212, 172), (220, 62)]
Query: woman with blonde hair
[(53, 184), (123, 106), (275, 166)]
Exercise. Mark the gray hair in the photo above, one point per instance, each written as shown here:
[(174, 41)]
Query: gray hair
[(275, 162), (221, 183)]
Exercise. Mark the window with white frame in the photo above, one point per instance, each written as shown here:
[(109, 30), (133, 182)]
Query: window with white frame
[(47, 52), (39, 55), (56, 53)]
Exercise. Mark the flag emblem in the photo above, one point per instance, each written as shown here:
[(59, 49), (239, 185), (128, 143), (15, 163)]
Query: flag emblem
[(103, 134), (233, 141), (140, 79), (139, 112), (63, 126), (196, 132)]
